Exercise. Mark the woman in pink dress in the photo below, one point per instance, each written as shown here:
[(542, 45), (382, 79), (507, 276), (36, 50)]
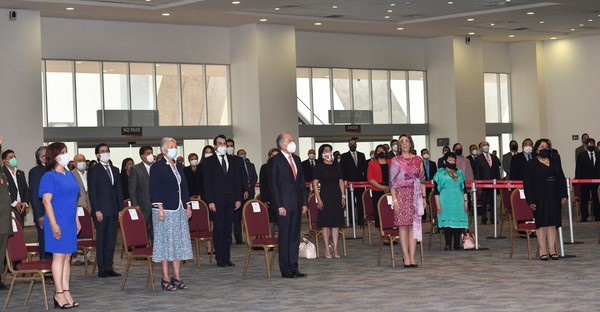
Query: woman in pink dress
[(407, 185)]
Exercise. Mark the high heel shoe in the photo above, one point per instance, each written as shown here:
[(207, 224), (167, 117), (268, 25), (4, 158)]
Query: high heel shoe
[(178, 283), (75, 304), (57, 305), (167, 285)]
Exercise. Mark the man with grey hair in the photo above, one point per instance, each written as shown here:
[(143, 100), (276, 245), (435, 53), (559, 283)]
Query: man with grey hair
[(35, 176), (289, 200)]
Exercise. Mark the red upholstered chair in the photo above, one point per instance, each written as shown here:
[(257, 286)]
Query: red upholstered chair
[(507, 210), (313, 218), (255, 218), (86, 238), (199, 225), (135, 242), (369, 213), (389, 233), (25, 270), (434, 221), (522, 221)]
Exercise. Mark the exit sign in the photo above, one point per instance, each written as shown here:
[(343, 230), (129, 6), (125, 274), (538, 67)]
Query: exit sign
[(575, 137)]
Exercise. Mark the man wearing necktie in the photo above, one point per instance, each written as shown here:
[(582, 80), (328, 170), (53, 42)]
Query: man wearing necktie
[(224, 188), (588, 167), (354, 168), (487, 168), (106, 200), (518, 163), (250, 179), (309, 165)]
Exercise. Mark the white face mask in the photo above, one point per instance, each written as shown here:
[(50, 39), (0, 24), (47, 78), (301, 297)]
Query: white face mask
[(206, 155), (194, 162), (150, 158), (327, 156), (474, 152), (172, 153), (311, 156), (485, 149), (395, 148), (81, 166), (105, 157), (528, 149), (425, 156), (220, 150), (229, 150), (291, 148), (64, 159)]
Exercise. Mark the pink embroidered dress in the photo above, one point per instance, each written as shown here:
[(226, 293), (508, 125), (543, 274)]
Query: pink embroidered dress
[(406, 178)]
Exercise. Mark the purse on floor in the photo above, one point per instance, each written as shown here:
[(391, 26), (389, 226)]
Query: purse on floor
[(307, 249), (468, 240)]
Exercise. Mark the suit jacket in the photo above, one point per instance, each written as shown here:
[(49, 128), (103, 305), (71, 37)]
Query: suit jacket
[(432, 170), (194, 180), (83, 199), (12, 185), (483, 171), (518, 166), (307, 169), (104, 196), (285, 191), (164, 188), (351, 171), (579, 149), (585, 169), (5, 205), (251, 178), (35, 177), (139, 187), (506, 163), (220, 188), (473, 162), (265, 173)]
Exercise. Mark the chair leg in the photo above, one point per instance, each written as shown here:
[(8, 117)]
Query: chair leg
[(10, 290), (343, 240), (501, 225), (151, 274), (85, 262), (512, 246), (380, 251), (125, 273), (212, 250), (430, 235), (44, 290), (317, 243), (198, 245), (392, 253), (441, 239), (364, 234), (529, 246), (30, 288), (275, 251), (267, 261), (248, 253), (422, 254), (369, 229)]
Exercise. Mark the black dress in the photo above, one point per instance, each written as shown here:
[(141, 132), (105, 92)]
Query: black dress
[(329, 176), (545, 186)]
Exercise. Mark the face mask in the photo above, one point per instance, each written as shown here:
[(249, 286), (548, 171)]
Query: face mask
[(426, 156), (291, 148), (311, 156), (514, 148), (64, 159), (81, 166), (598, 148), (353, 148), (589, 148), (229, 150), (150, 158), (544, 153), (12, 162), (458, 152), (584, 142), (194, 162), (338, 160), (104, 157), (486, 149), (372, 156), (528, 149), (381, 155), (206, 155), (451, 166), (172, 153), (221, 150), (395, 148), (474, 152), (243, 157), (327, 156)]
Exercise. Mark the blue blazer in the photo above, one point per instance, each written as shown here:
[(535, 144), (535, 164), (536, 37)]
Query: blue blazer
[(164, 188), (285, 191), (220, 188)]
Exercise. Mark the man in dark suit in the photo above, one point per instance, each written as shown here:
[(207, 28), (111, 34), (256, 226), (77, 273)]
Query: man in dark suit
[(139, 186), (440, 162), (224, 188), (237, 214), (429, 165), (487, 168), (588, 167), (5, 218), (473, 153), (250, 179), (518, 163), (35, 177), (309, 165), (265, 192), (17, 185), (393, 150), (106, 200), (289, 199), (354, 169), (507, 158), (583, 147)]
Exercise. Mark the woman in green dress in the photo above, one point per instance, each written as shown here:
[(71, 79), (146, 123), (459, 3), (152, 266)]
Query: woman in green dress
[(451, 199)]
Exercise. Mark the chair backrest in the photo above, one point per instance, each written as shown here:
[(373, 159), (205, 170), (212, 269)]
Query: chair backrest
[(367, 200), (16, 249), (313, 212), (386, 213), (199, 221), (87, 226), (433, 207), (127, 202), (520, 209), (258, 197), (133, 227), (256, 219), (505, 196)]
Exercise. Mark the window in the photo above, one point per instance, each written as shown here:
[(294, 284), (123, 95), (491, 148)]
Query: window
[(217, 94), (59, 94), (194, 106), (89, 98), (497, 98)]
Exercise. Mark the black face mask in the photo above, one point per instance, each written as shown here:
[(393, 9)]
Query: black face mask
[(381, 155), (591, 148), (451, 166), (458, 152), (353, 148), (514, 148), (544, 153)]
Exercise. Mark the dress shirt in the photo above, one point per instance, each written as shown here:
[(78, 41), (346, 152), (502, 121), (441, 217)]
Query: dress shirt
[(83, 176)]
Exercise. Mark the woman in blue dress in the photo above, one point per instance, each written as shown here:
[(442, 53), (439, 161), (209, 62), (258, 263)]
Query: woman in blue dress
[(59, 190), (451, 199)]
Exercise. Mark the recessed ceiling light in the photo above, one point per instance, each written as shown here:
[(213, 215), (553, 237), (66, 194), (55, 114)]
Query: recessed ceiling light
[(334, 7), (492, 24), (390, 11), (511, 36), (541, 22), (148, 0), (450, 2), (572, 29), (70, 9), (507, 0), (235, 2), (400, 28), (318, 24), (580, 25), (471, 33), (79, 62), (470, 19), (408, 2), (262, 20), (392, 4), (387, 16), (276, 9), (590, 20), (552, 38), (166, 14), (530, 13)]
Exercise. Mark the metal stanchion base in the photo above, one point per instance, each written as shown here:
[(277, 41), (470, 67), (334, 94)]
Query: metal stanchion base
[(480, 249), (495, 237), (573, 243), (568, 256)]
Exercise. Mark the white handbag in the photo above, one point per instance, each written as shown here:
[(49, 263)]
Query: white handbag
[(307, 249)]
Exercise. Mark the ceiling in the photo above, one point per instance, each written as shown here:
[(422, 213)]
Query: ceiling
[(492, 20)]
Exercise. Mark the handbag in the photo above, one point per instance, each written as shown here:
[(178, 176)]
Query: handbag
[(307, 249), (468, 240)]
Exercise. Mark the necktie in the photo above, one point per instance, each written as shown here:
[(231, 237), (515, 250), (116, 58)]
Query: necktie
[(592, 157), (427, 168), (526, 156), (312, 163), (489, 159), (247, 175), (355, 159), (292, 165), (110, 176), (223, 164)]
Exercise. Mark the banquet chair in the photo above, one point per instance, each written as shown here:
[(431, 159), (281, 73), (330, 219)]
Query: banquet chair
[(369, 213), (434, 221), (255, 218), (200, 230), (135, 242), (313, 218), (506, 209), (86, 238), (522, 220)]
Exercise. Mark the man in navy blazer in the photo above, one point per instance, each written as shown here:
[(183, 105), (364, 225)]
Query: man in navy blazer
[(106, 200), (35, 177), (224, 188), (250, 179), (289, 199)]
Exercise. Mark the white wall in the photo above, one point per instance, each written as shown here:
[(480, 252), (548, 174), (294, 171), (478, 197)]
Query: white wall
[(496, 58)]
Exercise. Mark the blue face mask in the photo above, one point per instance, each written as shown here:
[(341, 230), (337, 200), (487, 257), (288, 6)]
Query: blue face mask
[(243, 157), (172, 153), (81, 166)]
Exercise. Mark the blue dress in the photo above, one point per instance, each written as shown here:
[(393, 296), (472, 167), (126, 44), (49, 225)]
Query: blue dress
[(64, 190)]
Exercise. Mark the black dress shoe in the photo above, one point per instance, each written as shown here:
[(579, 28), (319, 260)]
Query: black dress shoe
[(112, 273), (299, 274), (102, 274), (221, 264), (288, 275), (229, 263), (239, 242)]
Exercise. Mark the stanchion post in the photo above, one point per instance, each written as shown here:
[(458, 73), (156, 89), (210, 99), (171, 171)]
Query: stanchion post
[(570, 206), (346, 194), (351, 199), (495, 210), (560, 239), (474, 199)]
